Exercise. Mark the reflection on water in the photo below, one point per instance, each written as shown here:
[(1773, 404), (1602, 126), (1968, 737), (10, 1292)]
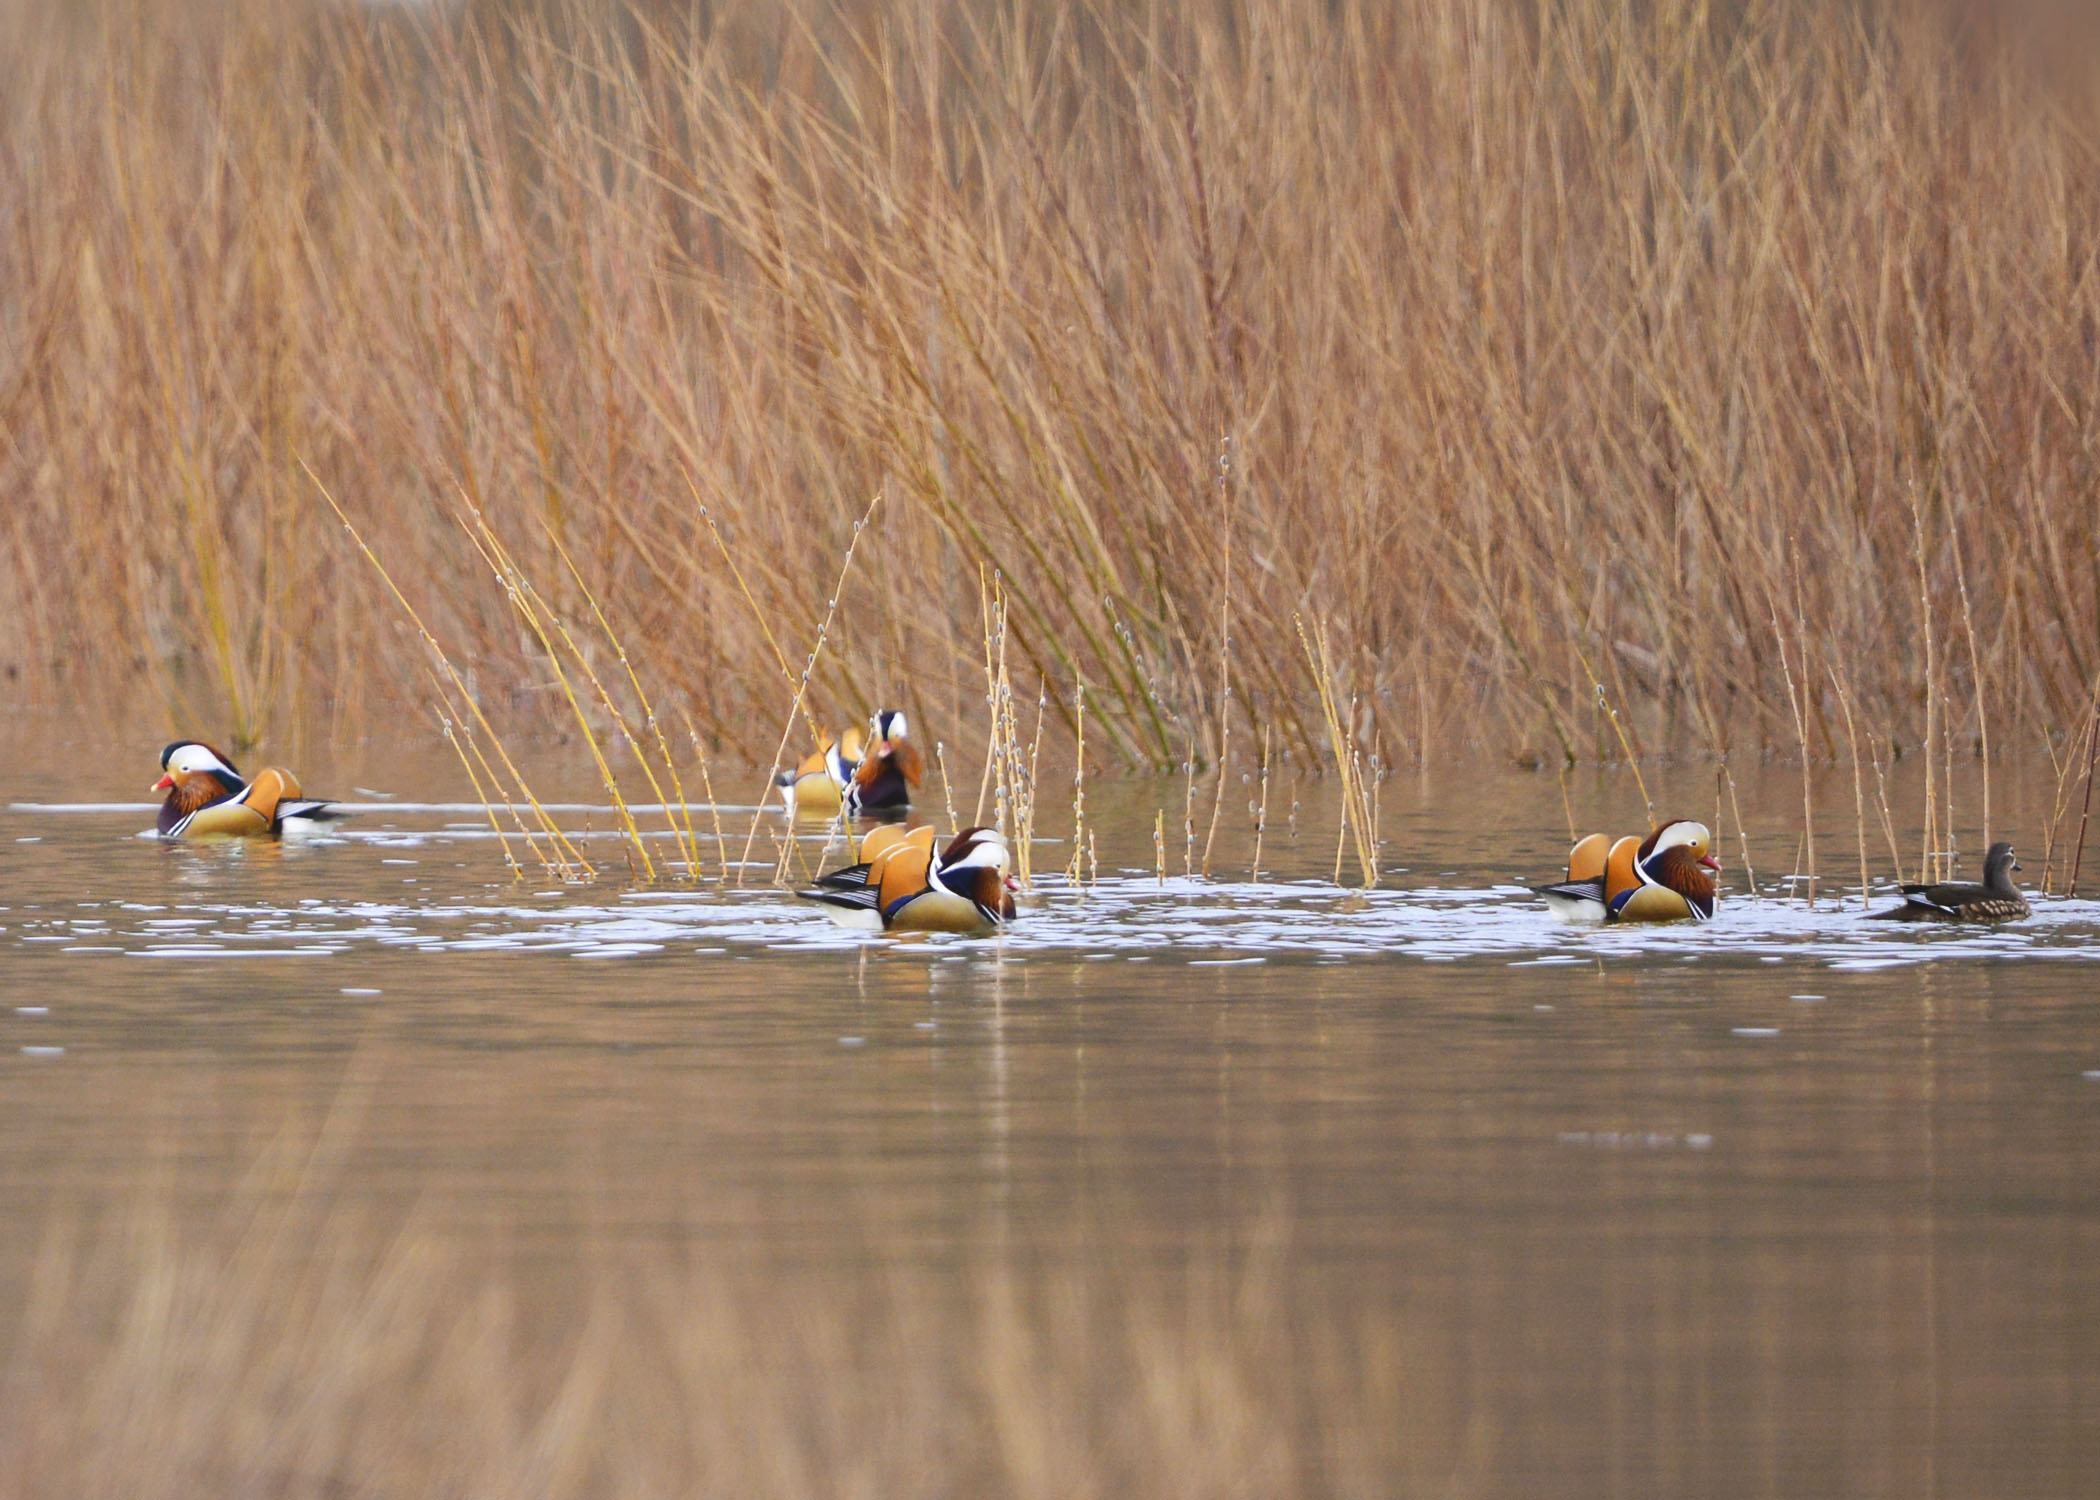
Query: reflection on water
[(360, 1168)]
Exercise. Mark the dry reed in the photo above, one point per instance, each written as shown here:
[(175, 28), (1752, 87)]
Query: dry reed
[(1008, 771), (1859, 787), (1808, 811), (1261, 810), (1073, 870), (1358, 822), (567, 860), (800, 708), (2079, 748), (1531, 328)]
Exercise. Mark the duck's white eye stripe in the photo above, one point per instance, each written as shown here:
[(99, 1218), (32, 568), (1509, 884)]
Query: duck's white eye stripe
[(897, 730)]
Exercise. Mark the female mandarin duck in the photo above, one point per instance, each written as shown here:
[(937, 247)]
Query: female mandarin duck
[(1667, 877), (885, 779), (817, 787), (207, 798), (904, 883), (1996, 900)]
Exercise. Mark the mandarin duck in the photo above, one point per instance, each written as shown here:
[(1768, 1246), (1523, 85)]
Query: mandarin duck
[(1666, 877), (817, 787), (1996, 900), (905, 883), (885, 778), (208, 799)]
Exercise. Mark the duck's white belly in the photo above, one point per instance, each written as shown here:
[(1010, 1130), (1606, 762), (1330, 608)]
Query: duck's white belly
[(1578, 909)]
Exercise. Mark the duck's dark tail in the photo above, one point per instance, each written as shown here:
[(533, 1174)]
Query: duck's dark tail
[(1910, 911)]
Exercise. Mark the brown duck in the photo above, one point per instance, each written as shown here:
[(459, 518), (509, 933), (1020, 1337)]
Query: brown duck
[(1996, 900)]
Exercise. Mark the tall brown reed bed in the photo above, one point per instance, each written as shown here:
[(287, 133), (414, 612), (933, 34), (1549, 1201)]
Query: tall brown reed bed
[(1533, 351)]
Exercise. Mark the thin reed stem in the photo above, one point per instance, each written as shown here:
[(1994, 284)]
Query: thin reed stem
[(940, 755), (1261, 812), (1808, 810), (1929, 861), (520, 593), (572, 859), (1859, 790), (1976, 674), (816, 653), (1072, 870)]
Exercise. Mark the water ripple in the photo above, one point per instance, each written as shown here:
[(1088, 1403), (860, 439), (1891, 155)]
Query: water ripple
[(1129, 919)]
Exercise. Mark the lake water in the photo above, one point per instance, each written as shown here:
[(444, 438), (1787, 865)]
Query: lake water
[(361, 1168)]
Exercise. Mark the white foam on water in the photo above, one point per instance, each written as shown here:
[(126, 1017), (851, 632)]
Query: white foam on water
[(1129, 919)]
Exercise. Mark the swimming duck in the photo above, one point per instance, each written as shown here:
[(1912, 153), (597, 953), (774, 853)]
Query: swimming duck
[(817, 787), (904, 883), (1996, 900), (207, 798), (885, 778), (1667, 877)]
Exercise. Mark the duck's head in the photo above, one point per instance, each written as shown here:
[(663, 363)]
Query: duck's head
[(893, 746), (1684, 834), (980, 849), (1999, 860), (978, 864), (1680, 855), (888, 725), (184, 761)]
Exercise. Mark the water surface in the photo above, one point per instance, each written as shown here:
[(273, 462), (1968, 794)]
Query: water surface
[(363, 1167)]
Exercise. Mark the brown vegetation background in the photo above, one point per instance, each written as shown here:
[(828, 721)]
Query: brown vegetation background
[(1737, 362)]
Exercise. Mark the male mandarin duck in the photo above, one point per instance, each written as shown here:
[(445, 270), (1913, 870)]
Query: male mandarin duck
[(1996, 900), (905, 883), (885, 779), (817, 787), (1666, 877), (207, 798)]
